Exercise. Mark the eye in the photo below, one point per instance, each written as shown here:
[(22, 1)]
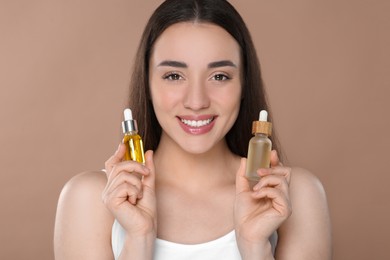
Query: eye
[(220, 77), (172, 76)]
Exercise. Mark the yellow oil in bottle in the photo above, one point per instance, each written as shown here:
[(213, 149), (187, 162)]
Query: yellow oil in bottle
[(134, 147)]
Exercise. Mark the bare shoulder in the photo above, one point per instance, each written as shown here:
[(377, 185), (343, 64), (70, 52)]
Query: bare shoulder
[(307, 233), (85, 184), (308, 196), (84, 190), (304, 183), (83, 224)]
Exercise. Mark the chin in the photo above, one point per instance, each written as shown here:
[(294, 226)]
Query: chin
[(196, 151), (199, 147)]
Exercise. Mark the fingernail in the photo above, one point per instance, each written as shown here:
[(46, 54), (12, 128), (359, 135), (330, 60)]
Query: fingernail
[(263, 171)]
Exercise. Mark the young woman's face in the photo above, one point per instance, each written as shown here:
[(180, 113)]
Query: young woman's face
[(195, 84)]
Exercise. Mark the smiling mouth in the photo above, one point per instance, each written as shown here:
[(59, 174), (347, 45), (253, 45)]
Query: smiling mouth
[(197, 123)]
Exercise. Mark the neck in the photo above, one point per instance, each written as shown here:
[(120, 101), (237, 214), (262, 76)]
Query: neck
[(176, 166)]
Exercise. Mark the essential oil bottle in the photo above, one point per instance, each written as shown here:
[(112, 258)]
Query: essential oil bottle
[(131, 138), (260, 146)]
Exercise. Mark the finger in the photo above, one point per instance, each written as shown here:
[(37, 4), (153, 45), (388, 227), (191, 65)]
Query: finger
[(150, 179), (279, 170), (125, 177), (115, 158), (273, 181), (242, 183), (274, 160), (133, 167), (280, 200), (124, 192)]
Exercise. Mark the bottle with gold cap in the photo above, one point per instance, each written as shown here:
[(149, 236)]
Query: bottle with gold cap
[(259, 150), (132, 140)]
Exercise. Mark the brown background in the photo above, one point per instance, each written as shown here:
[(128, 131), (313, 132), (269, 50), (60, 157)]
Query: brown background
[(64, 71)]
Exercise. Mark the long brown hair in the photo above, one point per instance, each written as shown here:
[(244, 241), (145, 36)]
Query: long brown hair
[(223, 14)]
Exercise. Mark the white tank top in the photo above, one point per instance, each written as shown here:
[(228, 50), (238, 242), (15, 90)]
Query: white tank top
[(224, 247)]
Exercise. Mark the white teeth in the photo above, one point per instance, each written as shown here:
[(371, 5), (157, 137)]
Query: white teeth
[(198, 123)]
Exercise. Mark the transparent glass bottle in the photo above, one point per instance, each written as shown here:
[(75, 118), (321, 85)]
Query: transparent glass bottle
[(259, 148)]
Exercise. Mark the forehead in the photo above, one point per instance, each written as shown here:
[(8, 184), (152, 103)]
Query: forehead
[(197, 42)]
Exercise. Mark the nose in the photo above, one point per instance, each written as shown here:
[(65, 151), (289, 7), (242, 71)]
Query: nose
[(196, 96)]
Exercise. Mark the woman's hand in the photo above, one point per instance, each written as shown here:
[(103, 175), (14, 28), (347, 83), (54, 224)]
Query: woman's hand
[(259, 212), (129, 193)]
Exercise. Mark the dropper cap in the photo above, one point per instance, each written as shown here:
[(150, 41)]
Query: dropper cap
[(129, 124), (262, 126)]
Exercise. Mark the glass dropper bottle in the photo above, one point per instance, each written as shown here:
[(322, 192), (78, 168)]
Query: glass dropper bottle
[(260, 146), (131, 138)]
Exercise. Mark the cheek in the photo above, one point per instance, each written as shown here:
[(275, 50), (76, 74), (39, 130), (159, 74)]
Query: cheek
[(234, 108), (164, 98), (231, 99), (231, 102)]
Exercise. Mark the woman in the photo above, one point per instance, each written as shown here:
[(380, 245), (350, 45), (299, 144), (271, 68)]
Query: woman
[(196, 62)]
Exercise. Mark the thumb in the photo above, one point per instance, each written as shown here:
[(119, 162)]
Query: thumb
[(242, 183), (149, 180), (275, 161), (116, 158)]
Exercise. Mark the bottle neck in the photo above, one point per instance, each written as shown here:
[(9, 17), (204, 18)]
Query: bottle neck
[(131, 132), (261, 135), (129, 126)]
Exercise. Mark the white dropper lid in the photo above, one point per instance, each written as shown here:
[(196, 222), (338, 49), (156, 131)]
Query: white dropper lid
[(128, 114), (129, 124), (262, 126), (263, 115)]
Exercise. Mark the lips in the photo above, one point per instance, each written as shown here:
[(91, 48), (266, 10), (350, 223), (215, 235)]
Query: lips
[(197, 125)]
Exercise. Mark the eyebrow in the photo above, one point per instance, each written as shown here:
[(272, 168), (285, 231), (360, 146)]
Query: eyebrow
[(221, 63), (172, 63), (211, 65)]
